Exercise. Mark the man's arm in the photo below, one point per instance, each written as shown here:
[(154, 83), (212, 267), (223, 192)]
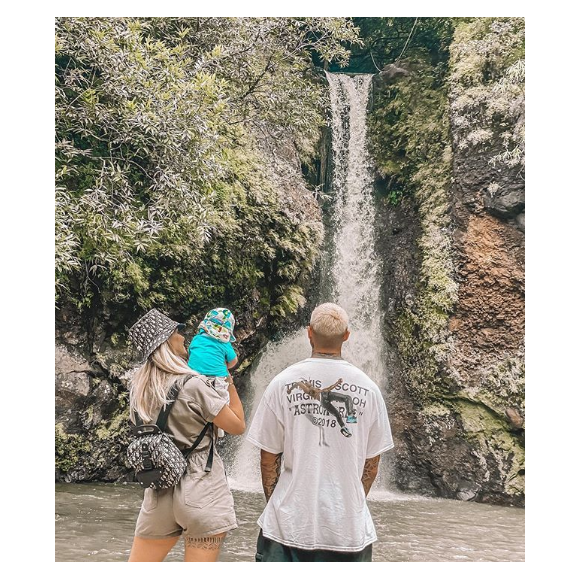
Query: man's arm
[(270, 465), (370, 471)]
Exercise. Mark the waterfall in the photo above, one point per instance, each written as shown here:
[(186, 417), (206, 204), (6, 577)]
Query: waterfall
[(354, 266), (350, 275)]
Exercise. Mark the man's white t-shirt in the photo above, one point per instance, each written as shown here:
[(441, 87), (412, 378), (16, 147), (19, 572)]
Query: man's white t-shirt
[(319, 501)]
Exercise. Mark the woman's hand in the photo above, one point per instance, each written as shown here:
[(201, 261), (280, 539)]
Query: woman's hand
[(231, 417)]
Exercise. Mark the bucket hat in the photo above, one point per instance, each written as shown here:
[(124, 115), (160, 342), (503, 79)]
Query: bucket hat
[(150, 331)]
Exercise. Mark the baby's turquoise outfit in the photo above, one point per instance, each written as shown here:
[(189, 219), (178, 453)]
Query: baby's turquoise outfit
[(208, 356)]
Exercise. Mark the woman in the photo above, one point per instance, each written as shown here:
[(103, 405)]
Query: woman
[(200, 506)]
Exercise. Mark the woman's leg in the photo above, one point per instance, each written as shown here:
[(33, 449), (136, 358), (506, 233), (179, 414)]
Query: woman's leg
[(206, 549), (147, 550)]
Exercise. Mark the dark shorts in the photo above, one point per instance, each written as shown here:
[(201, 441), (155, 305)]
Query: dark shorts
[(270, 551)]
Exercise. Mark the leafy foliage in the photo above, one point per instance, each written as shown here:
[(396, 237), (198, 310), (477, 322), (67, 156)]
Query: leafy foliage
[(165, 133), (487, 86), (411, 143), (408, 126), (267, 65)]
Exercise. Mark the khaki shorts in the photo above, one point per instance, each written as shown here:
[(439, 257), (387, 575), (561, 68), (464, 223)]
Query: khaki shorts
[(201, 504)]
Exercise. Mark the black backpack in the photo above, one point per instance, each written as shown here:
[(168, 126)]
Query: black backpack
[(157, 461)]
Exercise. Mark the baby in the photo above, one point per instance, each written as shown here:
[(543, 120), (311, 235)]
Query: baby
[(211, 352)]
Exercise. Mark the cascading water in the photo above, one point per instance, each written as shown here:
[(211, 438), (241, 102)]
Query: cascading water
[(350, 271), (354, 265)]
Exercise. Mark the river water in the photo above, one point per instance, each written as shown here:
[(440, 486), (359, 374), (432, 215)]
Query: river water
[(95, 523)]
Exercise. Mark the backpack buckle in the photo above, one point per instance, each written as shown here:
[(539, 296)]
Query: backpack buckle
[(145, 430)]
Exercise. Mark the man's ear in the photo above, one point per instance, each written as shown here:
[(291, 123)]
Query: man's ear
[(345, 335), (310, 339)]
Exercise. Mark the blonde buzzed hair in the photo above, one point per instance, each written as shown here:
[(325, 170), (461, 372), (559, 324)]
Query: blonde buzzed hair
[(329, 321)]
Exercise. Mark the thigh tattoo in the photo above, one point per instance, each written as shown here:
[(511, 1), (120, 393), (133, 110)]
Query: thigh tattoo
[(205, 543)]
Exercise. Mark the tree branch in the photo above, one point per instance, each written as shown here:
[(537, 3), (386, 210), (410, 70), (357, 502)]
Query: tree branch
[(257, 81)]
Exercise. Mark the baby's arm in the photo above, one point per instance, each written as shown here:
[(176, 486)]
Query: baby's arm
[(231, 356)]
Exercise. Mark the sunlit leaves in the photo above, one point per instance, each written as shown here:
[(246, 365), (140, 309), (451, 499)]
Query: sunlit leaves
[(488, 86), (166, 142)]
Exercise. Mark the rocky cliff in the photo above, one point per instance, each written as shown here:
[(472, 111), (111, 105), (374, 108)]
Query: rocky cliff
[(451, 233)]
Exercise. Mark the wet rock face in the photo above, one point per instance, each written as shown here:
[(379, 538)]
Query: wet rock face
[(488, 323), (506, 204), (396, 243), (90, 410), (73, 385), (389, 74), (496, 188), (488, 317), (459, 428)]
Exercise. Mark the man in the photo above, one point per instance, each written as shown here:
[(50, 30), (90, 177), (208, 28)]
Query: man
[(316, 506)]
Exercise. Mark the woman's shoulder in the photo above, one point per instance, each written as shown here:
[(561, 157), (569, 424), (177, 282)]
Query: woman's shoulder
[(192, 385)]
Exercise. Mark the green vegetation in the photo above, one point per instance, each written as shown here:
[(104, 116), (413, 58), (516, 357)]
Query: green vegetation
[(168, 131), (388, 39), (409, 126), (488, 434), (410, 141), (503, 384), (68, 448), (487, 87)]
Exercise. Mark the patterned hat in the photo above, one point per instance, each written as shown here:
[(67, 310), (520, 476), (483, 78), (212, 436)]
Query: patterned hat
[(219, 323), (152, 330)]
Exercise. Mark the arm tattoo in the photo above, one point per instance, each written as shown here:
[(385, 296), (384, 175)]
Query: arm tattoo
[(270, 472), (206, 543), (370, 471)]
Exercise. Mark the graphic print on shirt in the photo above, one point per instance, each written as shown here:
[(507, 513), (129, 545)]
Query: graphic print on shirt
[(317, 413)]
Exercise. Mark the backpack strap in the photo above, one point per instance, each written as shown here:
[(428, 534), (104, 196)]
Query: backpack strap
[(209, 463), (164, 417), (187, 452), (207, 429)]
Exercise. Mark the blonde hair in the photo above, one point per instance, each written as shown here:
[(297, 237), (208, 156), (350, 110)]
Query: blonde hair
[(329, 322), (152, 381)]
